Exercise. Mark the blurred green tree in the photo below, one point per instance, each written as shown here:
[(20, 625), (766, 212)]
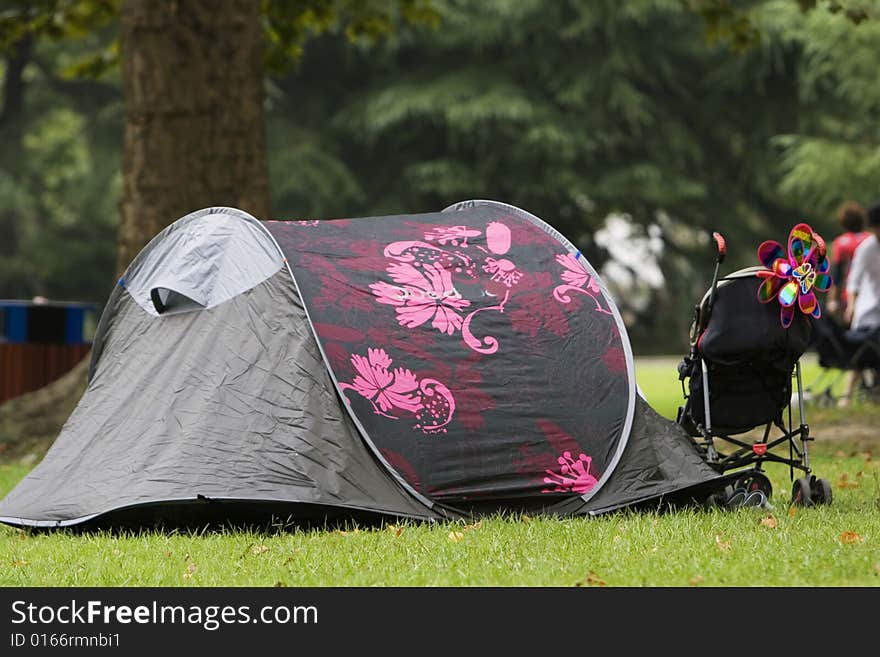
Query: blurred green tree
[(59, 165), (832, 153)]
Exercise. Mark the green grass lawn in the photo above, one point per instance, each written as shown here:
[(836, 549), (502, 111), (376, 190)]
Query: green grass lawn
[(838, 545)]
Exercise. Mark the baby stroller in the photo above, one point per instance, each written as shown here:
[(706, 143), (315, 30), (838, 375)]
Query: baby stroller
[(739, 372), (842, 350)]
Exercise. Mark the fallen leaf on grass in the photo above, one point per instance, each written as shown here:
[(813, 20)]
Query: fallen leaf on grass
[(592, 579), (279, 585), (397, 530), (260, 549), (721, 544), (526, 518), (840, 454), (168, 555), (792, 511), (19, 563), (696, 580), (844, 482), (456, 536), (850, 538), (770, 522)]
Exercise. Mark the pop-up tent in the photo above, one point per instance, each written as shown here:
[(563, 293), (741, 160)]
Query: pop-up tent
[(424, 366)]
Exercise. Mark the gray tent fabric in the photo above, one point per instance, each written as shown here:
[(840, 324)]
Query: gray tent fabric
[(232, 402), (202, 260), (248, 367)]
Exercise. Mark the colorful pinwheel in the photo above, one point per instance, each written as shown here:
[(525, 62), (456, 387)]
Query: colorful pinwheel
[(794, 278)]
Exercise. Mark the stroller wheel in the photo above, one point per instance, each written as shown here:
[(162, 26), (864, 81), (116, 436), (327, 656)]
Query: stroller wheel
[(719, 498), (755, 481), (737, 498), (821, 491), (800, 492)]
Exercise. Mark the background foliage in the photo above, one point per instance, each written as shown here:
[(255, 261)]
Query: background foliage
[(672, 117)]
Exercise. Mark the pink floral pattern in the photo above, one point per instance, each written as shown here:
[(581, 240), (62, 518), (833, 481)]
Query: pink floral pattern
[(577, 279), (564, 473), (498, 237), (400, 390), (573, 476), (406, 312), (421, 296), (503, 271), (453, 235), (385, 389), (425, 289)]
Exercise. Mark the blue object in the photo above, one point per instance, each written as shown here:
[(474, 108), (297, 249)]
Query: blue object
[(24, 322), (16, 324), (73, 325)]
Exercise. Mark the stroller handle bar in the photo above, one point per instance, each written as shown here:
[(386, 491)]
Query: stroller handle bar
[(721, 245)]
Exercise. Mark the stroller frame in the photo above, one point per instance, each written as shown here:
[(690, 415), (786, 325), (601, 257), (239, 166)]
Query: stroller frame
[(806, 490), (756, 452)]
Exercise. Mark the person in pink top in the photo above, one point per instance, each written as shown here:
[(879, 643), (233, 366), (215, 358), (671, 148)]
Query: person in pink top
[(851, 217)]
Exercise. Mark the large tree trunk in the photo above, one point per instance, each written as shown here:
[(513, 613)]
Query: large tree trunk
[(194, 123)]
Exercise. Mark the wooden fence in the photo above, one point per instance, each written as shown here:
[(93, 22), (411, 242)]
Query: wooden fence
[(30, 366)]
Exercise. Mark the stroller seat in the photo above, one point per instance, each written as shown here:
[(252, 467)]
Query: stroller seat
[(750, 358)]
